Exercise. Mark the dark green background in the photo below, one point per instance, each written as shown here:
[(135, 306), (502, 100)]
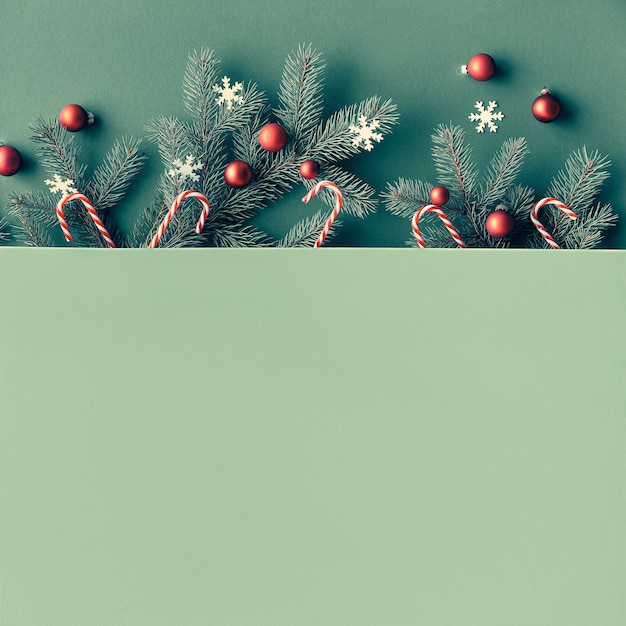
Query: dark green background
[(125, 61)]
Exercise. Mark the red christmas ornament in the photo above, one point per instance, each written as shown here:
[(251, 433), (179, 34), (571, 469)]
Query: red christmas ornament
[(10, 160), (439, 195), (237, 174), (309, 169), (74, 117), (481, 67), (273, 137), (499, 223), (546, 107)]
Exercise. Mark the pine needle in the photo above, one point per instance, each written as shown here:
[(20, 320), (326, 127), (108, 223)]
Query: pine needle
[(404, 197), (503, 171), (115, 175), (305, 233), (301, 94), (453, 162)]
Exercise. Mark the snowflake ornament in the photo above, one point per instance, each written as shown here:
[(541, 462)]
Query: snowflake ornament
[(486, 117), (228, 95), (187, 169), (364, 133), (65, 186)]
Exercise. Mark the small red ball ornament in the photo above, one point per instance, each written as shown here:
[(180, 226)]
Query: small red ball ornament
[(481, 67), (499, 223), (546, 107), (439, 195), (74, 117), (309, 169), (273, 137), (237, 174), (10, 160)]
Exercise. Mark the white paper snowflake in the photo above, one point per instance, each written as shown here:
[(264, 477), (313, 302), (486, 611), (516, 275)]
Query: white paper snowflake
[(65, 186), (364, 133), (486, 117), (187, 169), (228, 95)]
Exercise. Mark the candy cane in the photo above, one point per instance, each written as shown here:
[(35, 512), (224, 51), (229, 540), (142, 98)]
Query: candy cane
[(92, 212), (444, 218), (336, 209), (540, 227), (190, 193)]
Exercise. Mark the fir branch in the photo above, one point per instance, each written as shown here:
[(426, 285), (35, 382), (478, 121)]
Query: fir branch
[(57, 151), (581, 179), (35, 218), (453, 162), (300, 94), (115, 175), (333, 140), (585, 232), (404, 197), (591, 230), (201, 73), (145, 225), (4, 233), (503, 170), (172, 138), (358, 197), (246, 147), (577, 185), (306, 231), (237, 236), (229, 120)]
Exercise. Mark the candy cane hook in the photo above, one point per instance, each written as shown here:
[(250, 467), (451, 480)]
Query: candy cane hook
[(540, 227), (180, 198), (92, 212), (336, 209), (444, 218)]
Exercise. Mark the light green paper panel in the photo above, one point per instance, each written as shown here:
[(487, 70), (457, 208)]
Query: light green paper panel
[(312, 437)]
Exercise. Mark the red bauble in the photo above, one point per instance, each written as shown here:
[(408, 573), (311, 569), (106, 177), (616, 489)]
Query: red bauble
[(309, 169), (439, 195), (273, 137), (10, 160), (481, 67), (74, 117), (499, 223), (237, 174), (546, 107)]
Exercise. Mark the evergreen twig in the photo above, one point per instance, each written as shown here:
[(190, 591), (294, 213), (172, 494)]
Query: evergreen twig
[(306, 231), (455, 167)]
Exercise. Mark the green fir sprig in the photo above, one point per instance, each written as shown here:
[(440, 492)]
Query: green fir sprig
[(578, 185), (472, 196), (58, 153), (218, 133)]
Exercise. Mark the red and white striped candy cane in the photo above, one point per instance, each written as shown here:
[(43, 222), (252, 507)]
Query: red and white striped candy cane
[(444, 218), (180, 198), (540, 227), (92, 212), (338, 204)]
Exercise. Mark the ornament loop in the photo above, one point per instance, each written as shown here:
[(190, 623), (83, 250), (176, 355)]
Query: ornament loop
[(92, 212), (540, 227), (454, 233), (338, 204), (180, 198)]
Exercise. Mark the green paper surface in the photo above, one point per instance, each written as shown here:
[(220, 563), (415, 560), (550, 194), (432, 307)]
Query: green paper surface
[(312, 437)]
